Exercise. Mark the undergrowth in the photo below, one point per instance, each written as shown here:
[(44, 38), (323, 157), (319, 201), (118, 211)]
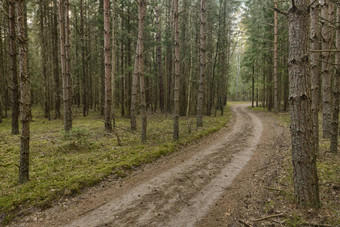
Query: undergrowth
[(62, 164), (328, 167)]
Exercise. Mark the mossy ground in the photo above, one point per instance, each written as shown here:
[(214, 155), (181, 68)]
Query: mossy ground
[(328, 166), (62, 164)]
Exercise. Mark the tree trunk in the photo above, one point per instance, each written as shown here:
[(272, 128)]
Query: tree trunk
[(140, 73), (107, 56), (122, 79), (65, 67), (306, 188), (202, 66), (326, 75), (276, 101), (44, 59), (25, 91), (177, 73), (336, 91), (314, 68), (83, 61), (113, 69), (253, 87), (13, 66), (56, 61), (159, 57)]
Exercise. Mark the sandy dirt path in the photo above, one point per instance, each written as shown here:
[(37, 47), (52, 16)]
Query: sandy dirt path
[(179, 190)]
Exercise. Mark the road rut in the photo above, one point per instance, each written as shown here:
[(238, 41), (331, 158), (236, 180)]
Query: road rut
[(178, 192)]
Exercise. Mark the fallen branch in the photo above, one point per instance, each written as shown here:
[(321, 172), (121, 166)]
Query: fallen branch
[(268, 217), (244, 223), (274, 189), (92, 209), (316, 225)]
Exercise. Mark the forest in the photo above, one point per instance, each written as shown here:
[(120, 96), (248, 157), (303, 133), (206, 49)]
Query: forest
[(94, 93)]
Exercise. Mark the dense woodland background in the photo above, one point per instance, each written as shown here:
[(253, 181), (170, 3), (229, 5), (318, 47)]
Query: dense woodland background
[(69, 59)]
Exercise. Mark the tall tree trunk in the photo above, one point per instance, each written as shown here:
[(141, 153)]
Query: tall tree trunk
[(253, 86), (159, 57), (2, 72), (177, 73), (138, 71), (101, 58), (44, 59), (65, 67), (56, 61), (139, 58), (113, 69), (326, 75), (276, 101), (122, 81), (25, 90), (190, 67), (68, 80), (314, 68), (107, 56), (13, 66), (202, 65), (83, 60), (306, 188), (336, 91)]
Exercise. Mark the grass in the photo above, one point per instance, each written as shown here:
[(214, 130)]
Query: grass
[(62, 164)]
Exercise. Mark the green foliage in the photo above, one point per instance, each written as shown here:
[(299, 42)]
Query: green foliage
[(62, 164)]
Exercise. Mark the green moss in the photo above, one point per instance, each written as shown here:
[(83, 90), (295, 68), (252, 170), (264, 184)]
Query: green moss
[(64, 163)]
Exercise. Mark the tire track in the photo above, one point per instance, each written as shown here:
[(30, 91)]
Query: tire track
[(183, 194)]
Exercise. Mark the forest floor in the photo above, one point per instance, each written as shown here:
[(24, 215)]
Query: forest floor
[(239, 176)]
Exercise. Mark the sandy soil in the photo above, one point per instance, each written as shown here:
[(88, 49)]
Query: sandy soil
[(212, 183)]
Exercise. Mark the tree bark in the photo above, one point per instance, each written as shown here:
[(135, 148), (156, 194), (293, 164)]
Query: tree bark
[(306, 188), (107, 56), (44, 59), (336, 91), (159, 57), (113, 69), (83, 60), (314, 68), (139, 58), (25, 90), (13, 65), (122, 79), (326, 74), (177, 73), (202, 65), (276, 101), (56, 61), (65, 62)]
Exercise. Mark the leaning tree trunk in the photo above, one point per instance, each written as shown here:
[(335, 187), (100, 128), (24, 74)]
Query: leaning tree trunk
[(177, 73), (107, 61), (314, 68), (336, 91), (25, 91), (13, 66), (306, 188), (202, 66)]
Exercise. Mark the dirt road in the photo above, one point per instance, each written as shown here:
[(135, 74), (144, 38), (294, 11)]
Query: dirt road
[(180, 190)]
